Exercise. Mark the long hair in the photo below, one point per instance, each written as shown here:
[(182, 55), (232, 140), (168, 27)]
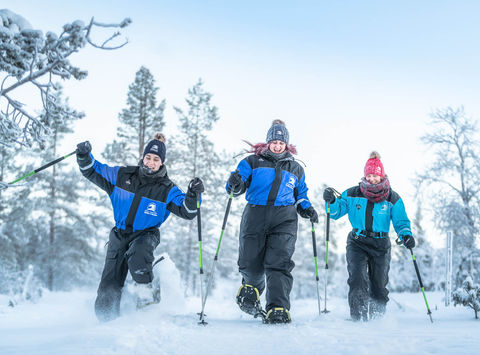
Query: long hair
[(261, 148)]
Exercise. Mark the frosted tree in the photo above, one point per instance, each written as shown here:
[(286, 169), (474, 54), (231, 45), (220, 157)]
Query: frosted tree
[(454, 178), (138, 122), (192, 154), (402, 273), (468, 295), (304, 272), (61, 239), (29, 59), (15, 228)]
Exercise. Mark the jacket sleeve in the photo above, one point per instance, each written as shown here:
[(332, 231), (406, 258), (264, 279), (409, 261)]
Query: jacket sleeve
[(400, 221), (102, 175), (245, 171), (301, 199), (340, 207), (181, 204)]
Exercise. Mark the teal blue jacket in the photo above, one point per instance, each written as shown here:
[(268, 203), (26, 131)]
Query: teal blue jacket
[(365, 215)]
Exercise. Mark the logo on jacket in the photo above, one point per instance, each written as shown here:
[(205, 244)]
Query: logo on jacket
[(383, 208), (151, 209), (291, 182), (359, 206)]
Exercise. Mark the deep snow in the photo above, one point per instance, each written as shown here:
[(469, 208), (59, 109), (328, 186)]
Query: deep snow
[(64, 323)]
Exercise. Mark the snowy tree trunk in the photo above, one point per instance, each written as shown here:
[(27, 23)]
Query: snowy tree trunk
[(28, 280), (52, 219), (448, 269)]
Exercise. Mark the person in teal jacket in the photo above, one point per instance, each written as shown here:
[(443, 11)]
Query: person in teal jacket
[(370, 206)]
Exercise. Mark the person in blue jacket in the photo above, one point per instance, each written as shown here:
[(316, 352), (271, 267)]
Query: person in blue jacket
[(275, 191), (142, 198), (370, 207)]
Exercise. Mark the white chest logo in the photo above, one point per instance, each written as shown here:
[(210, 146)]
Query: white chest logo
[(151, 209), (383, 208), (291, 183)]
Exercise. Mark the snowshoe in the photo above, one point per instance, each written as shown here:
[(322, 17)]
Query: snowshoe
[(248, 299), (277, 315), (146, 295)]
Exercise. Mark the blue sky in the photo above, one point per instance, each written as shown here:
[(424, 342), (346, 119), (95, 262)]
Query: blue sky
[(347, 77)]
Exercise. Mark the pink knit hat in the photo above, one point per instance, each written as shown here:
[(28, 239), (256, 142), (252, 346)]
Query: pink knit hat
[(374, 165)]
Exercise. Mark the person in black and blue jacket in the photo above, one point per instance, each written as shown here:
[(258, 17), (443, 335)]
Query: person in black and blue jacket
[(142, 198), (275, 191), (370, 207)]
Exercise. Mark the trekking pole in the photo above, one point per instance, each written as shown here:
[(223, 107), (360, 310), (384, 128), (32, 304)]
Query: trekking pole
[(215, 259), (429, 312), (327, 239), (199, 225), (4, 185), (314, 242)]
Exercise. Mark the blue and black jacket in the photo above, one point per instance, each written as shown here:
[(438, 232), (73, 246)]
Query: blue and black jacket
[(138, 202), (270, 182), (372, 219)]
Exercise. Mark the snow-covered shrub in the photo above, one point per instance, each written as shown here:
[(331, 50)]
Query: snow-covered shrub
[(468, 295)]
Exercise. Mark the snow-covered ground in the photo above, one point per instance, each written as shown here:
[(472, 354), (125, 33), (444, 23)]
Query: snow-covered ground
[(64, 323)]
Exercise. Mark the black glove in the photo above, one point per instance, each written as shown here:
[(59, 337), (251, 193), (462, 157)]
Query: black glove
[(310, 213), (329, 195), (235, 180), (408, 241), (195, 186), (84, 148)]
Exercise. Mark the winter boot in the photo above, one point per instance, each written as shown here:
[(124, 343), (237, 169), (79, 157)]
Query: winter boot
[(376, 309), (248, 299), (277, 315), (146, 295)]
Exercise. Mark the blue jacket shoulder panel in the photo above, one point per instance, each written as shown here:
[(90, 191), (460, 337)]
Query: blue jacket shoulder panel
[(366, 215)]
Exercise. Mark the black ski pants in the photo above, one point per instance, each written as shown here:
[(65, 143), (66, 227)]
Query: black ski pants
[(126, 251), (368, 263), (267, 242)]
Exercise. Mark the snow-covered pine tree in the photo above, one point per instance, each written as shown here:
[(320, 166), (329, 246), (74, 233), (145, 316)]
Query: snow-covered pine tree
[(138, 122), (304, 271), (34, 60), (15, 227), (402, 273), (192, 154), (454, 181), (468, 295), (62, 239)]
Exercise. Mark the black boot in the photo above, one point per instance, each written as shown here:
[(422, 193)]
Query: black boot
[(248, 299), (277, 315), (376, 309)]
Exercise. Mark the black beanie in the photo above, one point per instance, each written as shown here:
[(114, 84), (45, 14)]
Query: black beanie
[(156, 147), (278, 132)]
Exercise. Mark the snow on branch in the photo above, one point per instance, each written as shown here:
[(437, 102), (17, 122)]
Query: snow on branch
[(468, 295), (29, 59)]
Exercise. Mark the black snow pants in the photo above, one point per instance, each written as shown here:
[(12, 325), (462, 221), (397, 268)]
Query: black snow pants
[(126, 251), (368, 263), (267, 242)]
